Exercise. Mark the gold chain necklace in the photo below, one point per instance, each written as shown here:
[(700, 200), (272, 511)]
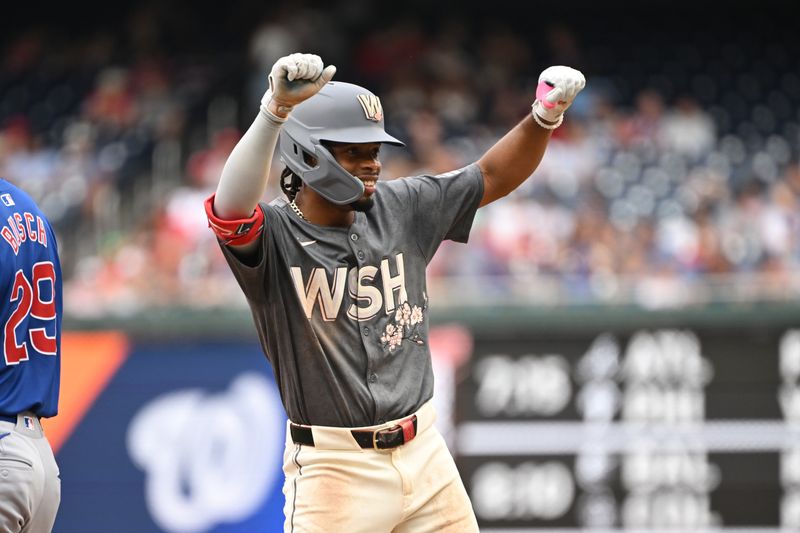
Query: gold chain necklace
[(297, 210)]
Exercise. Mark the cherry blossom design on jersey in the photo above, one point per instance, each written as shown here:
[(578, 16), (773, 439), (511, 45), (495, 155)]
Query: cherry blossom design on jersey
[(405, 326)]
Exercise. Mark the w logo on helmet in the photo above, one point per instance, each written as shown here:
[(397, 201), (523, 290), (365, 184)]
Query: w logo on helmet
[(371, 104)]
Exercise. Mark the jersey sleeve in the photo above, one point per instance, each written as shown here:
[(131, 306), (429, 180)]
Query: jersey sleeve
[(444, 206), (251, 272), (257, 274)]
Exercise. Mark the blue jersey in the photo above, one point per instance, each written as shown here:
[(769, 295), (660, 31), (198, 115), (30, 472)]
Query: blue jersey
[(30, 307)]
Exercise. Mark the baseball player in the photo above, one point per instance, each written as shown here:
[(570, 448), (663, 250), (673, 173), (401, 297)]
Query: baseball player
[(30, 316), (335, 278)]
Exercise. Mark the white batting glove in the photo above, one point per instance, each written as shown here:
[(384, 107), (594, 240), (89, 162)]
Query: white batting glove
[(293, 79), (558, 87)]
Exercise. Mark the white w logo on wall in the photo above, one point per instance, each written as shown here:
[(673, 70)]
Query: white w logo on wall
[(208, 459)]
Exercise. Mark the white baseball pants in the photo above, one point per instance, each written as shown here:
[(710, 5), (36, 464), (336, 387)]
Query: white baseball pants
[(336, 486), (30, 487)]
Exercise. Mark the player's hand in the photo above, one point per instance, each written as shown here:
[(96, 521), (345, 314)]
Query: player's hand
[(558, 87), (293, 79)]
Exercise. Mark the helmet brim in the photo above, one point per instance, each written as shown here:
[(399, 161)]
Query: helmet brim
[(367, 134)]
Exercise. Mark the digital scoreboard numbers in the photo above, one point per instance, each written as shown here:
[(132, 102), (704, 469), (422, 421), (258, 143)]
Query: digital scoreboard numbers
[(687, 429)]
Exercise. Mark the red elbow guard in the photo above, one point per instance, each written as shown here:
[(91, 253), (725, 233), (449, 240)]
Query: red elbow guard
[(234, 232)]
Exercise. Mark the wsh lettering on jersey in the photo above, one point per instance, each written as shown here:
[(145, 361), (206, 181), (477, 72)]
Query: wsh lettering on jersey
[(368, 297)]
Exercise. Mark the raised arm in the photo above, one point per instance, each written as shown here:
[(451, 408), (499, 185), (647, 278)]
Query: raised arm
[(517, 154), (231, 210), (293, 79)]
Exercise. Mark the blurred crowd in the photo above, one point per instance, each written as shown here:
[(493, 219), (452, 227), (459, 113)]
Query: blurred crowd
[(673, 181)]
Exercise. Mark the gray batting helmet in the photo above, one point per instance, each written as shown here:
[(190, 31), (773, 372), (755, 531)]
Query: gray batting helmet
[(339, 112)]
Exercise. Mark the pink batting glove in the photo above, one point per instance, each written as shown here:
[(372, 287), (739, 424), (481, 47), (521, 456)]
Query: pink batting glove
[(558, 87)]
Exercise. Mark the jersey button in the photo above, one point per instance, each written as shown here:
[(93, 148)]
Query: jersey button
[(360, 255), (365, 331), (373, 377), (353, 237)]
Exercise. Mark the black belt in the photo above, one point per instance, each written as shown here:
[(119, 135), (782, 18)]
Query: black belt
[(8, 418), (380, 439)]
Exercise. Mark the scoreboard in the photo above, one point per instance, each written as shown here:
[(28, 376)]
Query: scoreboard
[(632, 428)]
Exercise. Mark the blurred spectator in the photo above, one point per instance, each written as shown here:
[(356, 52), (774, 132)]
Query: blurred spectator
[(204, 166), (688, 130), (111, 105), (644, 126)]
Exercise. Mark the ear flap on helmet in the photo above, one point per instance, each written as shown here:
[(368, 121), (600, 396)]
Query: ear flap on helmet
[(331, 180), (328, 178)]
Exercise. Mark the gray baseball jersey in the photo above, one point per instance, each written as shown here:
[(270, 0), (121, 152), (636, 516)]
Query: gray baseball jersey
[(342, 313)]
